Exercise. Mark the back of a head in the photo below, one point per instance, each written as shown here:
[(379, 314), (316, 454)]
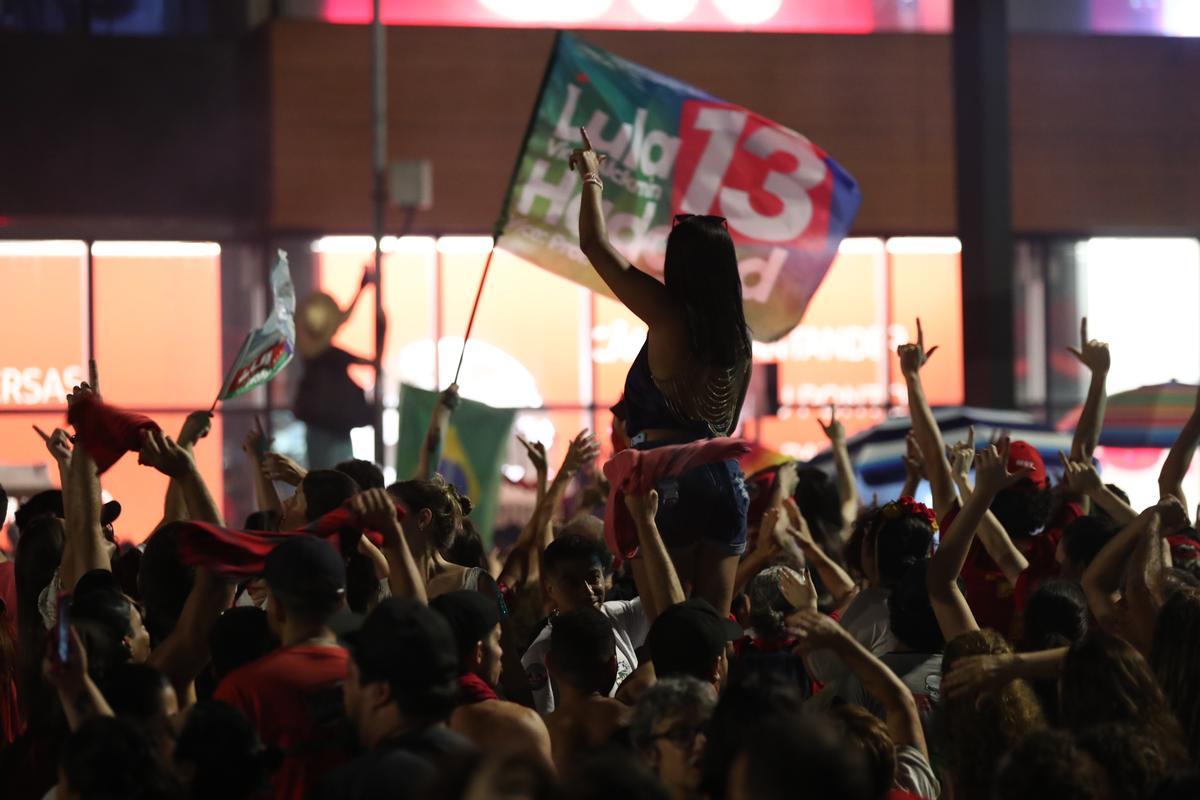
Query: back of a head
[(101, 617), (1049, 763), (689, 638), (981, 728), (571, 548), (783, 754), (1135, 761), (817, 496), (1023, 510), (222, 752), (869, 735), (701, 274), (902, 538), (768, 607), (164, 582), (666, 699), (262, 521), (741, 708), (1175, 658), (1055, 616), (611, 773), (582, 649), (363, 473), (39, 551), (1084, 538), (410, 647), (240, 636), (471, 617), (136, 691), (326, 490), (467, 548), (307, 577), (108, 758), (1106, 680), (446, 506), (911, 614)]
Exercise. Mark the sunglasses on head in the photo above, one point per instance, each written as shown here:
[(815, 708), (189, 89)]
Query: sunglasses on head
[(706, 217)]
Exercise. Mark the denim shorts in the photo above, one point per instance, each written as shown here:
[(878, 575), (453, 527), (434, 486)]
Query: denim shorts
[(706, 504)]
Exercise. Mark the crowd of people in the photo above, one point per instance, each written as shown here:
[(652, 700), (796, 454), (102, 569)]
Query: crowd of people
[(683, 633)]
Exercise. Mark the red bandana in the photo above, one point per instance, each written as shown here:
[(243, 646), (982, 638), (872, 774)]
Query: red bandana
[(473, 689)]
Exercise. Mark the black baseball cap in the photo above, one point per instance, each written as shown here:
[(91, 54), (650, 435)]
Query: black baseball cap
[(687, 637), (305, 566), (50, 503), (406, 644), (470, 615)]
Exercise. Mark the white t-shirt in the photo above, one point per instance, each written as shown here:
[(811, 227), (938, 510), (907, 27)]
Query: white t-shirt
[(867, 619), (913, 773), (630, 627)]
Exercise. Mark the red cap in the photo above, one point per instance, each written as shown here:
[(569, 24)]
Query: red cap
[(1023, 455)]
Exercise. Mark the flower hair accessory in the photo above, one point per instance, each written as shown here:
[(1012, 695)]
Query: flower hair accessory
[(907, 507)]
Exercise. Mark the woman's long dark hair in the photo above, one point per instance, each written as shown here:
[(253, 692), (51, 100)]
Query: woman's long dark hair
[(1175, 658), (701, 273)]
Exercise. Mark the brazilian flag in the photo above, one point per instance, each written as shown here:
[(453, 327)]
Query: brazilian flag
[(472, 450)]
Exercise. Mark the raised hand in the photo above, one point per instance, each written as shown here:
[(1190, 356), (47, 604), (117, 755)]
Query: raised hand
[(786, 480), (991, 470), (585, 159), (835, 431), (57, 443), (165, 455), (256, 443), (914, 459), (1080, 476), (449, 397), (797, 588), (1172, 515), (962, 455), (375, 508), (814, 630), (914, 356), (197, 426), (767, 544), (279, 467), (81, 392), (583, 450), (1091, 353), (971, 675), (537, 455), (642, 507)]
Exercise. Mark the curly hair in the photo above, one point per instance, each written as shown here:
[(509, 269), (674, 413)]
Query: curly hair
[(445, 504), (1175, 657), (768, 606), (981, 728), (899, 541)]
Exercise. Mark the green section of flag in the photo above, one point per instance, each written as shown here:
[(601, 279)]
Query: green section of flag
[(472, 451)]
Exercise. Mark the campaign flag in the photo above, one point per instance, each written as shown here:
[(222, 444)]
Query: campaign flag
[(472, 450), (268, 349), (672, 148)]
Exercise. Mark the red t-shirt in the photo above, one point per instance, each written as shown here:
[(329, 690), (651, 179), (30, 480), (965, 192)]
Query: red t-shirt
[(294, 698), (995, 602)]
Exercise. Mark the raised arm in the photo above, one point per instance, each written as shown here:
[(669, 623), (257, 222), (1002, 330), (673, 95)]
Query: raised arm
[(914, 466), (953, 614), (1170, 479), (431, 450), (58, 444), (995, 539), (971, 675), (912, 358), (641, 294), (1082, 479), (377, 510), (839, 583), (255, 447), (661, 587), (1102, 578), (847, 484), (78, 694), (196, 427), (1093, 355), (522, 564), (165, 455), (817, 631), (186, 650)]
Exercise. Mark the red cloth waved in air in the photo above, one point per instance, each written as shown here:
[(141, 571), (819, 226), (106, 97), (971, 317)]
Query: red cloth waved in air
[(105, 432), (637, 471), (238, 555)]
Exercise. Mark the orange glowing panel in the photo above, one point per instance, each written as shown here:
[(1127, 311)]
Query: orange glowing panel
[(158, 323), (927, 283), (617, 336), (44, 311), (837, 353), (409, 299), (532, 326)]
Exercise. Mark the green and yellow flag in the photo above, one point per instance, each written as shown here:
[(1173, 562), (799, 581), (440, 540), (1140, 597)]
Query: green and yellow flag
[(472, 451)]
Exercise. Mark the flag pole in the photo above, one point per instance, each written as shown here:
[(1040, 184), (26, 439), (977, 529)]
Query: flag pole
[(379, 136), (503, 220)]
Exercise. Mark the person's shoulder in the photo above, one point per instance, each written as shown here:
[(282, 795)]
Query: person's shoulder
[(622, 609)]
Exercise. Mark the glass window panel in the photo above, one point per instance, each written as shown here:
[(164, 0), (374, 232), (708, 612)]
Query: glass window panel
[(44, 308), (158, 323)]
